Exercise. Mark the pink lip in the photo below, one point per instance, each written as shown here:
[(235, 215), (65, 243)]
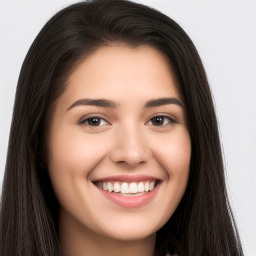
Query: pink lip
[(129, 201)]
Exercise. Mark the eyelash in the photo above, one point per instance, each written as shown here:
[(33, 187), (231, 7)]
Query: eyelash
[(171, 120), (85, 121)]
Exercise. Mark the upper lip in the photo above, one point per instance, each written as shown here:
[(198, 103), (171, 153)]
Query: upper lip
[(127, 178)]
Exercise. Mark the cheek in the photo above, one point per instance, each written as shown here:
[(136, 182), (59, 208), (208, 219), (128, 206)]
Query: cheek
[(174, 156), (71, 158), (174, 153), (177, 160), (73, 151)]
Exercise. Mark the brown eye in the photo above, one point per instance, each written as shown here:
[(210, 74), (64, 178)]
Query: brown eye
[(161, 120), (94, 121), (157, 120)]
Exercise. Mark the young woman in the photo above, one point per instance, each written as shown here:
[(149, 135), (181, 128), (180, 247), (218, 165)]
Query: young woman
[(114, 146)]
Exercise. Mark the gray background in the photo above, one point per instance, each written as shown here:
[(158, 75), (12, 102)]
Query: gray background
[(224, 32)]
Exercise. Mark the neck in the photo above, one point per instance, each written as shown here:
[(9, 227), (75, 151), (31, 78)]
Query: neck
[(80, 241)]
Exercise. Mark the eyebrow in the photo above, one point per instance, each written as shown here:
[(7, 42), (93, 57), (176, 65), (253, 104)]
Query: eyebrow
[(95, 102), (163, 101), (114, 105)]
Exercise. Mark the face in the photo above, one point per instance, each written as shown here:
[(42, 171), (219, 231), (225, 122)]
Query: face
[(119, 148)]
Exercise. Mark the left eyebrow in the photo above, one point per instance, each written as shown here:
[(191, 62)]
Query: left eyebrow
[(163, 101)]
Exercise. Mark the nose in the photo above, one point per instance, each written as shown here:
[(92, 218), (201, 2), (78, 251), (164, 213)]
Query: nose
[(130, 148)]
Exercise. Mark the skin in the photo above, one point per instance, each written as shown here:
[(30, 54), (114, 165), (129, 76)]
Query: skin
[(126, 141)]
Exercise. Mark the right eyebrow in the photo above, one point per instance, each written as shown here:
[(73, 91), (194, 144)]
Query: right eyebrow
[(94, 102)]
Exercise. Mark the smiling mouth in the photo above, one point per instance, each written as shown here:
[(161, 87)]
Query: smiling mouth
[(127, 189)]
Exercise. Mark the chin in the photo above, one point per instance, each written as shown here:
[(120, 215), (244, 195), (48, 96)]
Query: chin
[(132, 228), (131, 235)]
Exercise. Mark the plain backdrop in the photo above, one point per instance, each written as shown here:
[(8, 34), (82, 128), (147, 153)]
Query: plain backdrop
[(224, 32)]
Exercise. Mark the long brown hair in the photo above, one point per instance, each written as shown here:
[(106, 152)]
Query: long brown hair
[(203, 223)]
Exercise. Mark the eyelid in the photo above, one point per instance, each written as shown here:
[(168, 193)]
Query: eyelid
[(86, 117), (172, 119)]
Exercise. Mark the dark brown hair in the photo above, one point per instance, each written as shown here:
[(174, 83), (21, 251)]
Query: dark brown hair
[(203, 223)]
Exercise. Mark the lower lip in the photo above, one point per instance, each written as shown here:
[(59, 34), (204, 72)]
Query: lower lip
[(130, 201)]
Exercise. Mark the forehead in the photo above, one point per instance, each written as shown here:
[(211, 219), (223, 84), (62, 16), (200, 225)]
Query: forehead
[(116, 71)]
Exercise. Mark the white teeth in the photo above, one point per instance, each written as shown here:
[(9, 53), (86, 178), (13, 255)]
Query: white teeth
[(105, 186), (124, 188), (151, 186), (133, 188), (117, 187), (110, 187), (141, 187), (127, 188), (146, 186)]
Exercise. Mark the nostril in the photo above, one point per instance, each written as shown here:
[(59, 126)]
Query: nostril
[(130, 157)]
